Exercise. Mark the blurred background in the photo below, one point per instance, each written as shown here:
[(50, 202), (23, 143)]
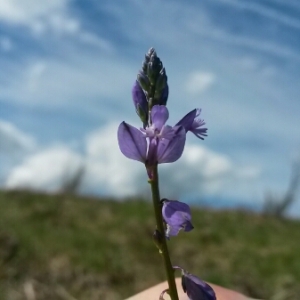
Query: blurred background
[(66, 72)]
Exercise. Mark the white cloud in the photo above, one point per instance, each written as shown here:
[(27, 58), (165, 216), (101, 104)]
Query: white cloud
[(108, 169), (284, 19), (202, 171), (57, 83), (211, 32), (44, 17), (46, 170), (93, 40), (13, 140), (38, 15), (199, 82), (14, 146), (34, 75), (199, 171)]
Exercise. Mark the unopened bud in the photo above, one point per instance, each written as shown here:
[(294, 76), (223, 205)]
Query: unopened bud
[(161, 81), (143, 81), (142, 114), (140, 102), (164, 96)]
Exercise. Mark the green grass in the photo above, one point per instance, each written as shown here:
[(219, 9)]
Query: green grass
[(64, 247)]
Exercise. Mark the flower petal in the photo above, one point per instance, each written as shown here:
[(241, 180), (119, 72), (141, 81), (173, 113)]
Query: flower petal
[(139, 96), (176, 213), (188, 226), (177, 216), (159, 116), (197, 289), (172, 230), (132, 142), (188, 120), (170, 150)]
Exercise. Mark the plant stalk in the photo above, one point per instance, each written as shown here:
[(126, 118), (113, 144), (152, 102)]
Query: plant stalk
[(154, 183)]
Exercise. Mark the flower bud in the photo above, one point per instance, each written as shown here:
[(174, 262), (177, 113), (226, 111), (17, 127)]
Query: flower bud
[(154, 67), (153, 79), (143, 81), (140, 102), (177, 216), (164, 96), (194, 287), (161, 81)]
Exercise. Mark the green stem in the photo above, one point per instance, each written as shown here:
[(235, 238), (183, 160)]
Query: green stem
[(160, 227)]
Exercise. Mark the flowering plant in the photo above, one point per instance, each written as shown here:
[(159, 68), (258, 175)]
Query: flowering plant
[(157, 143)]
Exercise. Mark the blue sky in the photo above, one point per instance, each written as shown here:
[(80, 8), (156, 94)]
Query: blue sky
[(66, 72)]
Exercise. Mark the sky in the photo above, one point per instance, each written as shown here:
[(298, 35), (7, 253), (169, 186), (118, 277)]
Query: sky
[(66, 72)]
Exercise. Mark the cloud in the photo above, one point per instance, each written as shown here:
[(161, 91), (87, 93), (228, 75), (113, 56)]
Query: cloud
[(57, 83), (45, 170), (199, 82), (38, 15), (14, 146), (194, 21), (199, 171), (107, 172), (254, 44), (44, 18), (265, 12), (34, 75), (14, 140)]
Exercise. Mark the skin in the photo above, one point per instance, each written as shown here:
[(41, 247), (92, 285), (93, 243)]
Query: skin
[(154, 292)]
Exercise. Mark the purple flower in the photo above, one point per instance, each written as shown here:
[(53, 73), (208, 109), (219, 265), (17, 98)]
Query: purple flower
[(158, 143), (177, 216), (195, 288), (140, 102), (132, 142), (191, 123)]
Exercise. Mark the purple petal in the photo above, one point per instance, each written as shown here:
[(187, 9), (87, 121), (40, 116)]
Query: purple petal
[(172, 230), (151, 155), (195, 128), (164, 97), (187, 120), (132, 142), (159, 116), (139, 97), (176, 213), (167, 132), (197, 289), (170, 151), (188, 226)]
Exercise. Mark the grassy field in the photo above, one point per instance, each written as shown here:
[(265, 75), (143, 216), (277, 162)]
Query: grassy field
[(63, 247)]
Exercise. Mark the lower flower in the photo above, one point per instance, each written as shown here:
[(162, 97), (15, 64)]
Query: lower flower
[(177, 216), (195, 288)]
